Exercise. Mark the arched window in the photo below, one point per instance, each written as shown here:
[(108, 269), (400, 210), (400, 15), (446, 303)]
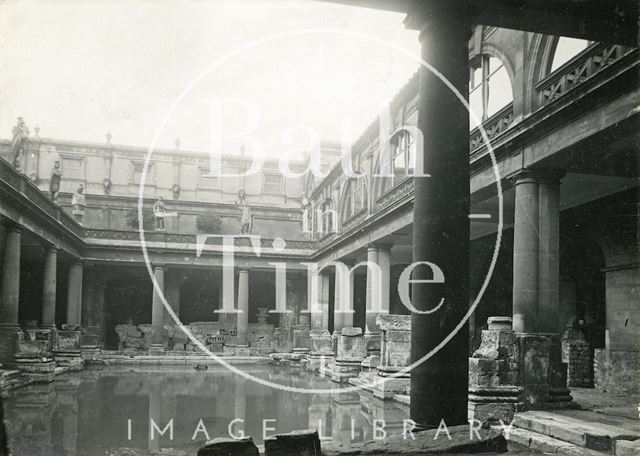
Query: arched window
[(355, 197), (489, 87), (328, 217), (566, 49), (403, 155)]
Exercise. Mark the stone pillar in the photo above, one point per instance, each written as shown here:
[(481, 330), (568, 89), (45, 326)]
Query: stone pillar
[(526, 253), (243, 306), (324, 300), (549, 253), (10, 280), (74, 294), (371, 297), (384, 261), (314, 300), (441, 211), (157, 313), (49, 288)]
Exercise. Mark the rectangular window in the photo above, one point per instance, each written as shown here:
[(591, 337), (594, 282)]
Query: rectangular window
[(273, 183), (73, 168), (206, 180), (136, 176)]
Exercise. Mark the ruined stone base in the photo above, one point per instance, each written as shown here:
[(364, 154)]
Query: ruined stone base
[(391, 385), (491, 404), (8, 342), (89, 352), (345, 369), (41, 370), (318, 360), (71, 359), (156, 350)]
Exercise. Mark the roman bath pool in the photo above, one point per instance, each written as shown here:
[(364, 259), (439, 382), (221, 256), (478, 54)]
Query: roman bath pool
[(100, 412)]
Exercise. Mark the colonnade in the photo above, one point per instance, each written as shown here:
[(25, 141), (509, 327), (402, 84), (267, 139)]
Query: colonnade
[(10, 290)]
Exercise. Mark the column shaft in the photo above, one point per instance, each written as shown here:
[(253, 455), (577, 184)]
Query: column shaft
[(49, 288), (324, 300), (372, 298), (343, 297), (526, 254), (549, 255), (74, 294), (439, 386), (243, 306), (157, 309), (11, 279), (384, 260)]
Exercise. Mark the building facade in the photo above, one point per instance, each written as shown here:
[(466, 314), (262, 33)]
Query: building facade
[(553, 221)]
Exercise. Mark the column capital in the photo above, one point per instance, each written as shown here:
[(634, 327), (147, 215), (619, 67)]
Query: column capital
[(244, 269), (12, 227), (49, 247), (550, 176), (382, 246), (429, 18), (155, 266)]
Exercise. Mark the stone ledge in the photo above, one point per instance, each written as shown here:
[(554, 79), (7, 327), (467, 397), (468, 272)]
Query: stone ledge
[(424, 443)]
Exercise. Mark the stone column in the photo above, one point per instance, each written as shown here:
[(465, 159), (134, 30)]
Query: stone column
[(384, 261), (549, 253), (314, 300), (157, 313), (371, 296), (49, 288), (526, 253), (11, 280), (74, 294), (441, 211), (243, 305), (324, 300), (344, 295)]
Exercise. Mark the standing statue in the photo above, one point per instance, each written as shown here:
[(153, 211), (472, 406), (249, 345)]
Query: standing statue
[(20, 134), (54, 181), (159, 213), (246, 219), (78, 203)]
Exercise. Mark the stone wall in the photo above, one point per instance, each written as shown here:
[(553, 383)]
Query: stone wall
[(577, 355), (616, 371)]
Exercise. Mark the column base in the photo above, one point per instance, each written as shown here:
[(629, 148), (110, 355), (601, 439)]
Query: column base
[(344, 369), (490, 404), (9, 336), (156, 350)]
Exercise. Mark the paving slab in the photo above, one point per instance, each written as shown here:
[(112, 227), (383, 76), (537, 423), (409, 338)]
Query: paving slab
[(424, 443)]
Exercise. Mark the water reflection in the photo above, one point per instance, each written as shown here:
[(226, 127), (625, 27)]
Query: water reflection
[(96, 413)]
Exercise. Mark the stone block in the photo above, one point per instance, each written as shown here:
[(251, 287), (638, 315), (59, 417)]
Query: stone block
[(393, 322), (67, 340), (351, 345), (296, 443), (229, 447), (484, 372), (500, 323)]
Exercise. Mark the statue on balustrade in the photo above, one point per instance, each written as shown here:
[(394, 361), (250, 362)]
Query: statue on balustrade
[(159, 213), (246, 218), (20, 134), (54, 181), (78, 203)]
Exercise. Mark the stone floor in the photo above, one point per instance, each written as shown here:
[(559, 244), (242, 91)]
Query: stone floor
[(616, 409)]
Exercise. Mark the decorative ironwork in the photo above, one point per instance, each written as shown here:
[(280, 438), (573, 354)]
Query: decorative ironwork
[(493, 126), (396, 193), (355, 220), (580, 68)]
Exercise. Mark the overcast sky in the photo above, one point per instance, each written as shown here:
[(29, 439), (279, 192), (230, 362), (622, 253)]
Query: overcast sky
[(78, 69)]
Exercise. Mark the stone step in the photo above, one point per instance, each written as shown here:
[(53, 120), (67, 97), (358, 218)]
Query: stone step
[(545, 444), (590, 435)]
